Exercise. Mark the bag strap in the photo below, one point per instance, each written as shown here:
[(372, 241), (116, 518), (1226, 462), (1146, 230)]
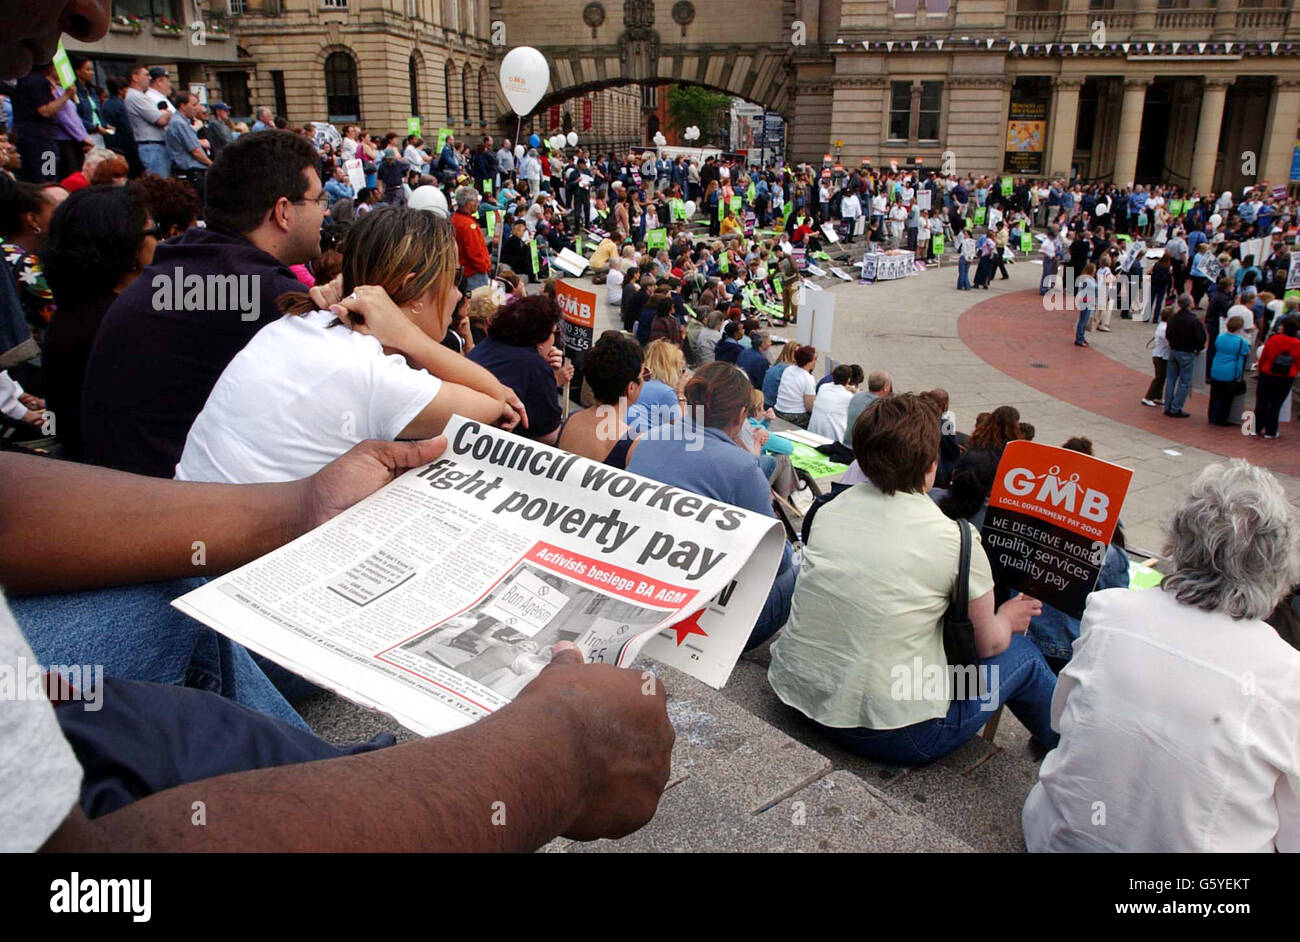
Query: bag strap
[(960, 600)]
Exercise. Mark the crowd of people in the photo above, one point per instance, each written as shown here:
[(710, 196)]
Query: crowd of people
[(352, 325)]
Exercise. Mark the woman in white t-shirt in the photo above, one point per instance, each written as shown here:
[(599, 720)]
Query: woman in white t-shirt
[(311, 385), (614, 283), (797, 393), (830, 412)]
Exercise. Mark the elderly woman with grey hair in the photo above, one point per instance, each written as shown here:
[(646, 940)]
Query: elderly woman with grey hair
[(1179, 713)]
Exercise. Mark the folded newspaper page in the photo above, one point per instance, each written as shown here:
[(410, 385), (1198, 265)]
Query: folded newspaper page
[(438, 598)]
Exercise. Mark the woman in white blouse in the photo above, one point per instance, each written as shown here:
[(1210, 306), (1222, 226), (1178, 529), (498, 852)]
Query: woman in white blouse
[(1179, 712), (311, 385)]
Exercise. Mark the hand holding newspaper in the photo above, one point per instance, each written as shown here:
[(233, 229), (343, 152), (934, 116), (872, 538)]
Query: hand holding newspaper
[(438, 598)]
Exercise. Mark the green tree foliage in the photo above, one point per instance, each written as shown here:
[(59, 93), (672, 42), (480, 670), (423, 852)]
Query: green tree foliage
[(693, 105)]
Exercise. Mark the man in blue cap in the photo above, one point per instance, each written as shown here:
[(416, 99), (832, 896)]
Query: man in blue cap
[(220, 131)]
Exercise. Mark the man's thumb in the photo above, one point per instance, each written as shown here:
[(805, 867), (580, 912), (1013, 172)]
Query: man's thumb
[(566, 653)]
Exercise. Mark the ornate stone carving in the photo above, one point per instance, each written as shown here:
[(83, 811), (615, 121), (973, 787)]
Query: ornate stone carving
[(683, 14), (593, 14), (638, 47), (638, 14), (978, 81)]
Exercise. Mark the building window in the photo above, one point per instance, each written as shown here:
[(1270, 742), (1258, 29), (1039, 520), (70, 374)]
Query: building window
[(237, 7), (413, 77), (342, 99), (905, 7), (449, 78), (649, 96), (1101, 4), (937, 6), (927, 118), (450, 17), (234, 92), (900, 110), (335, 4), (464, 97), (277, 90), (412, 9), (482, 96)]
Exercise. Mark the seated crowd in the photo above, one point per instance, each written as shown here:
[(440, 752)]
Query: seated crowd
[(253, 420)]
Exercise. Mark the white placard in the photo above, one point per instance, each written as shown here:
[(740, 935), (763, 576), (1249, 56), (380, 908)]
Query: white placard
[(829, 229), (571, 262), (356, 176)]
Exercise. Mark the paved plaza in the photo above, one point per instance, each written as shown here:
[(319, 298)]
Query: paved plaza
[(750, 774)]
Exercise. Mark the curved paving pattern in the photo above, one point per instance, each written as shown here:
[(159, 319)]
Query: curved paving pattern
[(1014, 334)]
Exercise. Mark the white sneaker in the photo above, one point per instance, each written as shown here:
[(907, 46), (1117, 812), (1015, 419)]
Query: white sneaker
[(1148, 402)]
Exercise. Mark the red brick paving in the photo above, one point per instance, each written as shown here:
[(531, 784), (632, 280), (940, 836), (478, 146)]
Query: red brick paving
[(1013, 332)]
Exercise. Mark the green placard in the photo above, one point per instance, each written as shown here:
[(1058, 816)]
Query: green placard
[(412, 125), (1123, 238), (722, 209), (724, 263), (443, 134), (678, 208), (532, 253), (487, 187), (806, 458), (656, 239), (67, 78), (1293, 293), (936, 242), (581, 244), (1026, 242), (1142, 219), (751, 193), (490, 224), (777, 284), (980, 213), (1007, 186), (737, 203), (1175, 208)]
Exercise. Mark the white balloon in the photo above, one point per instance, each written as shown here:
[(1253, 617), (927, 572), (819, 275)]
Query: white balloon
[(430, 198), (690, 208), (660, 139), (524, 77), (572, 138), (1215, 220), (519, 150)]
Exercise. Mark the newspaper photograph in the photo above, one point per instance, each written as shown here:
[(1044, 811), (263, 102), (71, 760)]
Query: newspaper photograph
[(439, 597)]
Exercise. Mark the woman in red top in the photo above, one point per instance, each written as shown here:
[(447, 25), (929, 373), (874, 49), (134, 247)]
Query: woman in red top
[(1278, 364)]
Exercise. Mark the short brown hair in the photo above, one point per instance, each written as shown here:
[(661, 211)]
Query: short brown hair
[(896, 440)]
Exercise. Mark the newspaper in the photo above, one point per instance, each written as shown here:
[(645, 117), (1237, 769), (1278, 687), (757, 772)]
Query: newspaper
[(438, 598)]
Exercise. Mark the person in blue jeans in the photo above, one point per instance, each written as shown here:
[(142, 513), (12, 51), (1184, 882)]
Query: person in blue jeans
[(91, 576), (1187, 337), (862, 654), (704, 454), (1085, 298)]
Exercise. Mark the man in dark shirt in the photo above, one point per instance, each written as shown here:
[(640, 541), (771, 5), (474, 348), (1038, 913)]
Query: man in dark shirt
[(754, 359), (728, 349), (169, 335), (114, 114), (1186, 335), (1216, 310)]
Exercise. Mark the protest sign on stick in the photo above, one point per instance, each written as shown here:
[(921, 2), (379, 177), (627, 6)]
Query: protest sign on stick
[(1050, 520), (577, 315)]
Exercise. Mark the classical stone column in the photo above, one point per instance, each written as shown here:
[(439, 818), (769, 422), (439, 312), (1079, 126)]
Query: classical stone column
[(1205, 149), (1280, 135), (1064, 125), (1130, 129)]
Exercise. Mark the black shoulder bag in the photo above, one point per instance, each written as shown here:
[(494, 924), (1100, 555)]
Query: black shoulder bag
[(958, 632)]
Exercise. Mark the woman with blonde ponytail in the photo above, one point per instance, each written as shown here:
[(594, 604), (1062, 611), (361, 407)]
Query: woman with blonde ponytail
[(311, 385)]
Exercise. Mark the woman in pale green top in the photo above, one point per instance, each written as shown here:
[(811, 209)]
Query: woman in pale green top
[(862, 654)]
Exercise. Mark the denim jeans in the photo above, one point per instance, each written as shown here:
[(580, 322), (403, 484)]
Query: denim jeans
[(776, 610), (155, 160), (1049, 273), (1081, 326), (1178, 381), (1024, 683), (476, 281), (963, 273), (135, 634)]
